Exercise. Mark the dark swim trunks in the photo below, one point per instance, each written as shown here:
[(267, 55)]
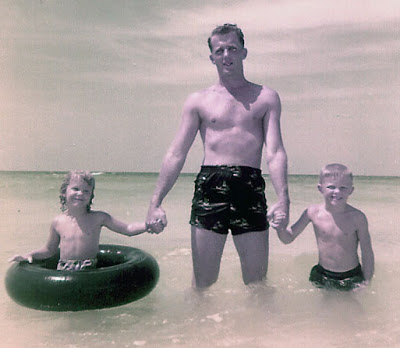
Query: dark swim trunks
[(322, 278), (229, 198)]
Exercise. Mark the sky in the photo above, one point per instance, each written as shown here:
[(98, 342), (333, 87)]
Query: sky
[(100, 85)]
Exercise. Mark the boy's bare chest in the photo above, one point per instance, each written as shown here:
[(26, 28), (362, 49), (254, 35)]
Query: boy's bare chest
[(335, 227)]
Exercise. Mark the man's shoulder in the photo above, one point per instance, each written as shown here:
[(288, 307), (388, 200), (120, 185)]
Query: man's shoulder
[(269, 94), (197, 97), (201, 98), (213, 89)]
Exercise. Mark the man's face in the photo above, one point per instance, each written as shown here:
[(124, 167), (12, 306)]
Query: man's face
[(227, 53)]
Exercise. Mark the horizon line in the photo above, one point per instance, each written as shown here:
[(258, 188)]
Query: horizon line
[(100, 172)]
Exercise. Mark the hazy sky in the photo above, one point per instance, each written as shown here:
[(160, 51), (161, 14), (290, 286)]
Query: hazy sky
[(99, 85)]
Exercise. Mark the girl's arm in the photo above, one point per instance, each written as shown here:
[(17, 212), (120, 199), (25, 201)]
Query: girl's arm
[(131, 229)]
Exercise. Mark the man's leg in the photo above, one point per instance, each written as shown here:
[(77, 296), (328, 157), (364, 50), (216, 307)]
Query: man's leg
[(253, 249), (207, 248)]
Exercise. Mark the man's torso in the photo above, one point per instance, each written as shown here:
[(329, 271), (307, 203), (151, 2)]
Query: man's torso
[(232, 124)]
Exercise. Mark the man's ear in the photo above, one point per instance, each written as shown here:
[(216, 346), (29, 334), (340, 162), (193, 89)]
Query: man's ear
[(352, 190), (244, 53), (212, 59), (319, 187)]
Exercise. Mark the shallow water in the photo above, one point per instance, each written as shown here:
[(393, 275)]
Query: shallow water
[(287, 312)]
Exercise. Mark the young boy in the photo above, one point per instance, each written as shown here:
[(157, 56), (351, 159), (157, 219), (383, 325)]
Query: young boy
[(77, 230), (339, 228)]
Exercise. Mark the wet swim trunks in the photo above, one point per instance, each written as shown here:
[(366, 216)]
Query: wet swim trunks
[(229, 198), (322, 278), (76, 265)]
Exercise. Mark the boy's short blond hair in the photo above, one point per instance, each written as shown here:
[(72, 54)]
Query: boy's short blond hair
[(335, 170)]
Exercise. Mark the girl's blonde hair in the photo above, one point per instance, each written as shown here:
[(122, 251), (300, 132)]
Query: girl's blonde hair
[(85, 176)]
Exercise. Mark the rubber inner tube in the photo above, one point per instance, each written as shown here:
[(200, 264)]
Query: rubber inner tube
[(123, 274)]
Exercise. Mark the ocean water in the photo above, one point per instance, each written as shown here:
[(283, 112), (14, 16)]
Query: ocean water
[(287, 312)]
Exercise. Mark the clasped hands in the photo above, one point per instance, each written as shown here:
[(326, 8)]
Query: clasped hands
[(278, 216), (156, 220)]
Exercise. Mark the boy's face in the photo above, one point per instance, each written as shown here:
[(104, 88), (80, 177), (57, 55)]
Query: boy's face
[(336, 190), (78, 193)]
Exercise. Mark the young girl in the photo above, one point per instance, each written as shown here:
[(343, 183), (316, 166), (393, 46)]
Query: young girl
[(77, 230)]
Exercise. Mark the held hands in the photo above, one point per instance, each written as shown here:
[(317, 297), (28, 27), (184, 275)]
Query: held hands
[(278, 216), (155, 226), (277, 221), (156, 220)]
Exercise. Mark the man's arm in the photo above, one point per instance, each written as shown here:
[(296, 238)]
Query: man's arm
[(367, 254), (276, 156), (174, 159)]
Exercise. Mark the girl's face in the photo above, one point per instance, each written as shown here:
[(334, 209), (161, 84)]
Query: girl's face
[(78, 193)]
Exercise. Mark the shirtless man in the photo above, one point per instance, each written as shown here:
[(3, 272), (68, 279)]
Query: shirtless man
[(235, 118)]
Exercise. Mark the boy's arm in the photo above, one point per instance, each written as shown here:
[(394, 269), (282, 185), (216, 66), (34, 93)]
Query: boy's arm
[(174, 159), (45, 252), (289, 235), (367, 254), (131, 229)]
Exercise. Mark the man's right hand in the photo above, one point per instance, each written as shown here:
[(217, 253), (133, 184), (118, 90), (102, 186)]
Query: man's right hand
[(156, 215)]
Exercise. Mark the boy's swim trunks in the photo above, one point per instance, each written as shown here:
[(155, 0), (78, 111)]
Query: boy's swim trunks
[(76, 265), (322, 278), (229, 198)]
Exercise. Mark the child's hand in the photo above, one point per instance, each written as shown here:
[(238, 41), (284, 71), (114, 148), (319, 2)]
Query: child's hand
[(156, 226), (277, 219), (20, 258)]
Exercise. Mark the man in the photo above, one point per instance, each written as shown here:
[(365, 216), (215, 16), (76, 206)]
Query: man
[(235, 118)]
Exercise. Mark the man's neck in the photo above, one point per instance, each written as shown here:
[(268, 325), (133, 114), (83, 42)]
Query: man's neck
[(233, 83)]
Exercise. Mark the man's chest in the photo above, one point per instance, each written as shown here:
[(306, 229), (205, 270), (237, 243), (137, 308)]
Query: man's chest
[(228, 112)]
